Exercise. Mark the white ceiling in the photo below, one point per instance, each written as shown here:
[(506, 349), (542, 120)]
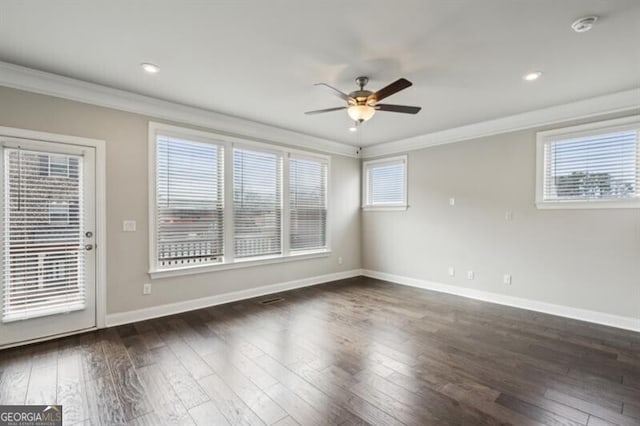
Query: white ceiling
[(258, 59)]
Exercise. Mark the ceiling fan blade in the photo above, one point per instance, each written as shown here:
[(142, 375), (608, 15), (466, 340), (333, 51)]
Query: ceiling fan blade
[(337, 92), (320, 111), (398, 108), (391, 89)]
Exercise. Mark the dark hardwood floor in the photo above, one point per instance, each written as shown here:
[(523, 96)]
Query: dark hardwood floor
[(358, 351)]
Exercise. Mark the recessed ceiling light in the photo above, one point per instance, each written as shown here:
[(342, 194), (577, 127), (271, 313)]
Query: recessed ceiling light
[(584, 24), (353, 129), (150, 68), (532, 76)]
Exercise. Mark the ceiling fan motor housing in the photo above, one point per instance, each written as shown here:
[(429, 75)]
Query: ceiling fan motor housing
[(361, 97)]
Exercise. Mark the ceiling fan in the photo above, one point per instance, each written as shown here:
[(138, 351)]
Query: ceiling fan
[(363, 104)]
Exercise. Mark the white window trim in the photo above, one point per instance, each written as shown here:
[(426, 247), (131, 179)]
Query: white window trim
[(228, 261), (390, 206), (237, 264), (600, 127)]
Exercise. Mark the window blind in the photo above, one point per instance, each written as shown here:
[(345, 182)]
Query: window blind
[(307, 204), (189, 202), (600, 167), (385, 183), (257, 203), (44, 261)]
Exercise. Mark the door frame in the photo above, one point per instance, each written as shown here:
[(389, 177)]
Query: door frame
[(100, 208)]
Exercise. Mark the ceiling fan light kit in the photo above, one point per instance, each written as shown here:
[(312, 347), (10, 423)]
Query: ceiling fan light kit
[(362, 104), (361, 113)]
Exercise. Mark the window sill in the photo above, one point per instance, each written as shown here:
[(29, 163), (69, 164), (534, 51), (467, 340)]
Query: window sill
[(593, 204), (237, 264), (384, 208)]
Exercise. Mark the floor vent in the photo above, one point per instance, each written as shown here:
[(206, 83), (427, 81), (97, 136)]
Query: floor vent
[(271, 301)]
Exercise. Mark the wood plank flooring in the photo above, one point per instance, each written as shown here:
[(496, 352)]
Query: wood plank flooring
[(352, 352)]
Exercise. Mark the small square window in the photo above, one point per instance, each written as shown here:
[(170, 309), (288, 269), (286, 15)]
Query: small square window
[(58, 166), (385, 184), (58, 212)]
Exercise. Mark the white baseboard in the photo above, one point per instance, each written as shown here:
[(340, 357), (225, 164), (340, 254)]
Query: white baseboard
[(627, 323), (120, 318)]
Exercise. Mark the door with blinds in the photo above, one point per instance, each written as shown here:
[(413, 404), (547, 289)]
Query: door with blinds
[(48, 253)]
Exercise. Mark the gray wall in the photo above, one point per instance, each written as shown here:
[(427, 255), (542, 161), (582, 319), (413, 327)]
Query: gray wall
[(127, 255), (587, 259)]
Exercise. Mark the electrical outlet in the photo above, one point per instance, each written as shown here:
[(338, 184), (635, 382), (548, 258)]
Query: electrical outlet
[(452, 201), (146, 289), (470, 275), (129, 225), (339, 260), (507, 279), (452, 271)]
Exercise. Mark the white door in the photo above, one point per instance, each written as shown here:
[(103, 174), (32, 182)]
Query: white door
[(47, 239)]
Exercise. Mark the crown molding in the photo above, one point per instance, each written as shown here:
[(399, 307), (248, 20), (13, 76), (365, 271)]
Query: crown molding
[(30, 80), (44, 83), (613, 103)]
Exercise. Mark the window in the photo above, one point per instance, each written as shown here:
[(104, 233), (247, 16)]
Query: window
[(58, 166), (307, 203), (189, 202), (219, 202), (257, 203), (591, 166), (385, 184), (42, 230), (59, 212)]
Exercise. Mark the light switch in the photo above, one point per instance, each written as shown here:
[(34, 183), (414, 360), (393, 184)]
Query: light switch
[(129, 225), (452, 201)]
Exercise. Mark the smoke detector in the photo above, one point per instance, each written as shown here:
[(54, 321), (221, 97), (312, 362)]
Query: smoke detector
[(584, 24)]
